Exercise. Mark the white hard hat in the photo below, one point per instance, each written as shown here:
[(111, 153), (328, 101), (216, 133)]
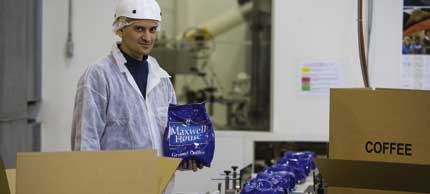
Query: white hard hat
[(138, 9)]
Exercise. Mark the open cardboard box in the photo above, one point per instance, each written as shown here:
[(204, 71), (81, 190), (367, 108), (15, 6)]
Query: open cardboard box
[(386, 125), (364, 177), (7, 180), (94, 172), (378, 141)]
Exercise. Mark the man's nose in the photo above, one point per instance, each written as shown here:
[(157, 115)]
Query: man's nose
[(146, 35)]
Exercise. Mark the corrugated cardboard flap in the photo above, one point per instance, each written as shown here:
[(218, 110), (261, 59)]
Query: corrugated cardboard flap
[(11, 179), (98, 172), (4, 186), (375, 175), (169, 167)]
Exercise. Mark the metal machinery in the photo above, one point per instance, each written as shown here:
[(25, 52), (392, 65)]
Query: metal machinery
[(248, 103)]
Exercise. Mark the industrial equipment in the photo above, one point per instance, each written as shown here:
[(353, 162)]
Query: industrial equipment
[(247, 101)]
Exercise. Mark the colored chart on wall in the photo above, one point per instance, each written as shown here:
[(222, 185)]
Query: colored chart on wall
[(318, 77)]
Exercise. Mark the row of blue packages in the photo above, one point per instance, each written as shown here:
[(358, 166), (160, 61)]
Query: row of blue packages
[(189, 134), (282, 177)]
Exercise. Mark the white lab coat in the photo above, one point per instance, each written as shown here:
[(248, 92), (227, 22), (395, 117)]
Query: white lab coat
[(110, 112)]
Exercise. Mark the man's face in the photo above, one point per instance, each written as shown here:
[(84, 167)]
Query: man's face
[(138, 38)]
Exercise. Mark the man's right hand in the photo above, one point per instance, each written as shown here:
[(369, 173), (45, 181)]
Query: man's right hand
[(190, 165)]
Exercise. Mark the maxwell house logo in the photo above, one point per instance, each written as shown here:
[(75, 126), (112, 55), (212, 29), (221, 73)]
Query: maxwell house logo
[(187, 134)]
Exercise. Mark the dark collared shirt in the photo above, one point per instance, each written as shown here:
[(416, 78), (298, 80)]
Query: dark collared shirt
[(139, 70)]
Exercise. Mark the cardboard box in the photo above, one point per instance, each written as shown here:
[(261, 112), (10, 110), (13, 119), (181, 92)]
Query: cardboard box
[(102, 172), (343, 190), (7, 180), (380, 125), (373, 177), (11, 178), (4, 183), (378, 141)]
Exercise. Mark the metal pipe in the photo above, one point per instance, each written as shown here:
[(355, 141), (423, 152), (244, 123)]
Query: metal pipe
[(361, 45), (69, 43), (223, 22), (227, 20), (369, 25)]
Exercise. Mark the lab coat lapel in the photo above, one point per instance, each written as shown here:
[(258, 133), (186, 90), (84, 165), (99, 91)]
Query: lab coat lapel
[(120, 61), (153, 75), (132, 82)]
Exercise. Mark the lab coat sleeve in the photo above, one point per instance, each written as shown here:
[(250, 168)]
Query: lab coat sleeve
[(89, 116)]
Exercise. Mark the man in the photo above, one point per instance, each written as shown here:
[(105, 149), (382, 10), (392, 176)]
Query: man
[(122, 100)]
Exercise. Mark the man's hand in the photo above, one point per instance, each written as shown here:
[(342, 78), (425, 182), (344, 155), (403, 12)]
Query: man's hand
[(190, 165)]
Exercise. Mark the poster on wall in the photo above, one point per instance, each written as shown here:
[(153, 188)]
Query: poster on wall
[(415, 67), (316, 78)]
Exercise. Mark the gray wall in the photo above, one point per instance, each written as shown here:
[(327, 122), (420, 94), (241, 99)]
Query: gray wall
[(20, 64)]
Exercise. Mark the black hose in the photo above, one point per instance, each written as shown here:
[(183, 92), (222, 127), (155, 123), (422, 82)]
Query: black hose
[(361, 45)]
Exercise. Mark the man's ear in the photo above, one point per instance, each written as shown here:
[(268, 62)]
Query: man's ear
[(120, 33)]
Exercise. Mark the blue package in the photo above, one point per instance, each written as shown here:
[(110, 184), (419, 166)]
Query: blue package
[(189, 134), (299, 166), (282, 179), (289, 182), (267, 186), (302, 159), (249, 187), (291, 166), (262, 186), (273, 180), (286, 173), (311, 156), (299, 155)]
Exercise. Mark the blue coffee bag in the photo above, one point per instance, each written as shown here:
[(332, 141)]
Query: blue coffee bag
[(262, 186), (189, 134)]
